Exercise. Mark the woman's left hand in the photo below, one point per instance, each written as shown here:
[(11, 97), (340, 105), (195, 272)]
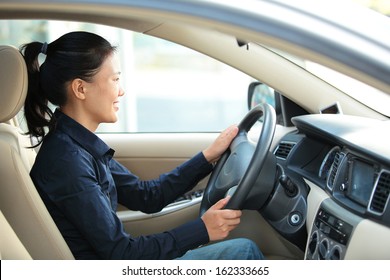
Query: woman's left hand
[(219, 146)]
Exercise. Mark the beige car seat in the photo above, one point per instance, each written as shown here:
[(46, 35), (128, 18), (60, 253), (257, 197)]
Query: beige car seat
[(20, 202), (10, 246)]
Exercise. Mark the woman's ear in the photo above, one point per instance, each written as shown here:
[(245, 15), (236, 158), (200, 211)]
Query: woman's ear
[(78, 88)]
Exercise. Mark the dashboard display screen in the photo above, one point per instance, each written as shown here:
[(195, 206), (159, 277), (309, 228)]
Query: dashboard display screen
[(361, 182)]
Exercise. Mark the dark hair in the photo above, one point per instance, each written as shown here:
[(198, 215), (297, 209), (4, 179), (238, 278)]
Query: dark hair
[(73, 55)]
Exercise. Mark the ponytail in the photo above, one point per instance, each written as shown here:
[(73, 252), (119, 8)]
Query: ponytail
[(37, 112), (73, 55)]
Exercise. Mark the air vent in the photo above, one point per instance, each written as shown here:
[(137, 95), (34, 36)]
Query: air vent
[(381, 194), (334, 168), (283, 149)]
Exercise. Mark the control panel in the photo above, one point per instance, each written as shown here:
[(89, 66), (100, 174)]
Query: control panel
[(329, 237)]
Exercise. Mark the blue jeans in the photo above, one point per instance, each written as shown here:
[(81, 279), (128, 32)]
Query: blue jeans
[(235, 249)]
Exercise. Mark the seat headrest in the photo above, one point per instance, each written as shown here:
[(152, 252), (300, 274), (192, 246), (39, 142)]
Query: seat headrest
[(13, 82)]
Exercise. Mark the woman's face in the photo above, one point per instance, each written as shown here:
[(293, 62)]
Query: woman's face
[(104, 91)]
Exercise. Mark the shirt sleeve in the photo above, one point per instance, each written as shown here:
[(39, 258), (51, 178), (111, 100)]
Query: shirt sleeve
[(73, 188), (153, 195)]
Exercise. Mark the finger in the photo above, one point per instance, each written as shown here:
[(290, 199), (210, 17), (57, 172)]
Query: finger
[(229, 133), (221, 203), (232, 131), (231, 218), (230, 226), (233, 214)]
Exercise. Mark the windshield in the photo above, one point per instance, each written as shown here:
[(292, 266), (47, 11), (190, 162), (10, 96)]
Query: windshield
[(368, 95), (372, 97), (364, 93)]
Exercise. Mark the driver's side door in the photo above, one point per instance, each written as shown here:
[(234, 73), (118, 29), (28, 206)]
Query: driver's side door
[(149, 155)]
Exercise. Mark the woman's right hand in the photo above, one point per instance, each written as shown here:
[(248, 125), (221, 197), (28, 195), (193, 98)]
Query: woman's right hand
[(220, 222)]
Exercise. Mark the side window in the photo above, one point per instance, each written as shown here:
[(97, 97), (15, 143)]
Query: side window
[(168, 88)]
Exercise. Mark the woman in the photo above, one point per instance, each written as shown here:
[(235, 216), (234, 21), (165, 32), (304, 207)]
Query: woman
[(80, 182)]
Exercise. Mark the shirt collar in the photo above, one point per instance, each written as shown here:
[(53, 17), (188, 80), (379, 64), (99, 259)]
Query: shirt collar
[(85, 138)]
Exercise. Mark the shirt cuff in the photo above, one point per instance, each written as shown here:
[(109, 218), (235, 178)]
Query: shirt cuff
[(200, 164), (191, 235)]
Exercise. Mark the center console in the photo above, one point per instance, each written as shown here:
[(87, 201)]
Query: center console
[(331, 231)]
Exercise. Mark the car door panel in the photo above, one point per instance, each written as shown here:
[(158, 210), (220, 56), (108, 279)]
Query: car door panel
[(149, 154)]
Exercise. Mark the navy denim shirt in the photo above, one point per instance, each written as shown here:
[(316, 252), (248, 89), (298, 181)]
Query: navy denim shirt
[(81, 185)]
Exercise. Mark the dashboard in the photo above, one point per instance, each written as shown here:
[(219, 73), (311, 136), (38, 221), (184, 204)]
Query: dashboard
[(341, 164)]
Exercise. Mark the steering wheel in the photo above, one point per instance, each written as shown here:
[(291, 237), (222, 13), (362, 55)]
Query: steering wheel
[(238, 168)]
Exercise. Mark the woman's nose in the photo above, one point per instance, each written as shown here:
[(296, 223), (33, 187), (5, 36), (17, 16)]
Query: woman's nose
[(121, 92)]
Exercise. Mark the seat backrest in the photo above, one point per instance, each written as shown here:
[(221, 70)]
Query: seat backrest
[(14, 136), (19, 200), (13, 82), (10, 246)]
